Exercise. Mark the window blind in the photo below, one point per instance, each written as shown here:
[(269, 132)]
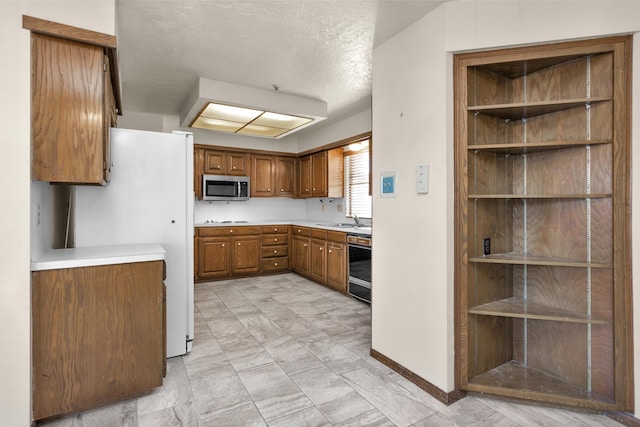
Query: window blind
[(358, 200)]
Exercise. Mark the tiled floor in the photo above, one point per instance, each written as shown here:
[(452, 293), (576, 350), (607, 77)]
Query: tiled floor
[(284, 351)]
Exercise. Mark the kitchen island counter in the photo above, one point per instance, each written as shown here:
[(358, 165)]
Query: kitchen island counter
[(54, 259)]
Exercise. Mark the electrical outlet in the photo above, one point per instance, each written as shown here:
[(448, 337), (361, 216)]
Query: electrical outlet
[(486, 246)]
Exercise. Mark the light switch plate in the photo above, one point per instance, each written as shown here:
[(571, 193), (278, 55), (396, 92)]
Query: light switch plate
[(422, 179)]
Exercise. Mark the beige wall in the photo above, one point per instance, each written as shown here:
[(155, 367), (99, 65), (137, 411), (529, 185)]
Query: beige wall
[(15, 351), (412, 123)]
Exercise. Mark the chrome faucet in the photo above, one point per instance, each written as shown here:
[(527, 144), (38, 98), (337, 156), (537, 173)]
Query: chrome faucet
[(357, 220)]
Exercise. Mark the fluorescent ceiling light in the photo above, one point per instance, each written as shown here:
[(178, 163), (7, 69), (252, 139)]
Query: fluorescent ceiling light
[(246, 121), (227, 107)]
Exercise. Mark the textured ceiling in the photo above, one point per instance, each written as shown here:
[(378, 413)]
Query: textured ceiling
[(321, 49)]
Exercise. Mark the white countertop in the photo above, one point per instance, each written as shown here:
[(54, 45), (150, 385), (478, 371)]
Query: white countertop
[(99, 255), (302, 223)]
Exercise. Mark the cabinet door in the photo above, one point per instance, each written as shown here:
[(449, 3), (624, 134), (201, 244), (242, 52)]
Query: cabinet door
[(67, 96), (262, 176), (304, 186), (214, 162), (237, 164), (213, 257), (286, 176), (246, 254), (318, 267), (300, 254), (337, 266), (110, 118), (198, 162), (319, 174), (97, 335)]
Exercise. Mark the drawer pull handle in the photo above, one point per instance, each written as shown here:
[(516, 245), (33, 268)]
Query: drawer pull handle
[(275, 230), (276, 264), (238, 243), (275, 240), (275, 252)]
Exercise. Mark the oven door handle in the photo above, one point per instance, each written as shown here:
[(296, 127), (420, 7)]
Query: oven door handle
[(351, 245)]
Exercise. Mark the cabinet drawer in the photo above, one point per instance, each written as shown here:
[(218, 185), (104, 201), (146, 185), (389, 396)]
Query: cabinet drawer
[(337, 236), (300, 231), (275, 239), (228, 231), (275, 229), (275, 264), (275, 251), (319, 233)]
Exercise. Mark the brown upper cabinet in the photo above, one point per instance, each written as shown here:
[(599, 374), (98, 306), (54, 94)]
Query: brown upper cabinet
[(304, 177), (286, 176), (542, 221), (225, 163), (316, 175), (322, 174), (263, 170), (74, 101), (273, 176), (217, 162)]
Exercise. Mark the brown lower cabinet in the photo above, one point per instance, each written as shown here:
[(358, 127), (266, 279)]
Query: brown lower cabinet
[(275, 248), (301, 250), (318, 254), (226, 251), (337, 261), (98, 335)]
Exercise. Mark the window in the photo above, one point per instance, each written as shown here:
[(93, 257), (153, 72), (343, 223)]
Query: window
[(356, 180)]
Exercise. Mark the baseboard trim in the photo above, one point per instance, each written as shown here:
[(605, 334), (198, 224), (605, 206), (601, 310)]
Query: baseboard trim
[(441, 395), (624, 418)]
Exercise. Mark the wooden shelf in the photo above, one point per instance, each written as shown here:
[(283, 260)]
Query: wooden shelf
[(515, 69), (523, 110), (541, 150), (523, 309), (516, 380), (538, 196), (520, 258), (534, 147)]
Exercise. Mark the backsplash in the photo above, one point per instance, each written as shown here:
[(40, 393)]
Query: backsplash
[(273, 208)]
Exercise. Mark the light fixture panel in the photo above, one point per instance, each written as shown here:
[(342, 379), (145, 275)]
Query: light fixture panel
[(256, 130), (216, 124), (233, 108), (230, 113), (282, 121)]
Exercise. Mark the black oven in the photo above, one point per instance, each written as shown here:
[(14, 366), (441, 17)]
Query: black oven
[(359, 248)]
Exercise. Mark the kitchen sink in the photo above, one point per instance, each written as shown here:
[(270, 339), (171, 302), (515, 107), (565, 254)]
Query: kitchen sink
[(342, 225)]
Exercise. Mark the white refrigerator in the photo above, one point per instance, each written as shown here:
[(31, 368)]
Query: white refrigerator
[(148, 200)]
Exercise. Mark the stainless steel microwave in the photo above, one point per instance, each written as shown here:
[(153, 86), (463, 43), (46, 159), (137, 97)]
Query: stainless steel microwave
[(222, 187)]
